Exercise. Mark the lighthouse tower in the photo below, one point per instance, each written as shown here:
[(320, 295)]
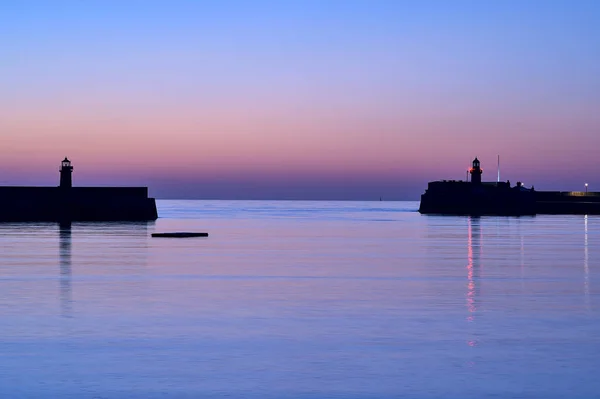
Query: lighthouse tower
[(66, 171), (476, 172)]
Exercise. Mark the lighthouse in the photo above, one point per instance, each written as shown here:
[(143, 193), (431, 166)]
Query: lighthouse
[(476, 172), (66, 171)]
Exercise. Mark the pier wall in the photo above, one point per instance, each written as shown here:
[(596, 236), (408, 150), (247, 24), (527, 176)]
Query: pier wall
[(55, 204), (567, 202), (464, 198)]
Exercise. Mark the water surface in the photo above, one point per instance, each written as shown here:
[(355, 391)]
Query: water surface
[(293, 299)]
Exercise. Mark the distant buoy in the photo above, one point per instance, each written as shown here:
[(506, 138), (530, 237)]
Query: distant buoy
[(179, 235)]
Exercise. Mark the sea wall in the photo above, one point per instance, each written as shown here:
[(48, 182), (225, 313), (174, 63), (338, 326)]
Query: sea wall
[(567, 202), (54, 204), (464, 198)]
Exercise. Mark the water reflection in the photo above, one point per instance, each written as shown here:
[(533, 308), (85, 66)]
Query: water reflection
[(586, 269), (522, 258), (64, 254), (473, 265), (473, 270)]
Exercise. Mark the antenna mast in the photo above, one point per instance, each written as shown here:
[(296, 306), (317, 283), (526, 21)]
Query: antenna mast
[(498, 168)]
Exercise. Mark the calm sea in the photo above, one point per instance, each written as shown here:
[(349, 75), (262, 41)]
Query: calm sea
[(290, 299)]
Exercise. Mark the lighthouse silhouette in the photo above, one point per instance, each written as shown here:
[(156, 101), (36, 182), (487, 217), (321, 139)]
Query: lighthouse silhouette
[(66, 171), (476, 172)]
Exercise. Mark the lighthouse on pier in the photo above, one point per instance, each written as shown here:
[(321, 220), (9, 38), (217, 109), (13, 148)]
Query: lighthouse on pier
[(66, 171), (476, 172)]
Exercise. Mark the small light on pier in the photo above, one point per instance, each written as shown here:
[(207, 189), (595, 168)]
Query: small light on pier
[(586, 185)]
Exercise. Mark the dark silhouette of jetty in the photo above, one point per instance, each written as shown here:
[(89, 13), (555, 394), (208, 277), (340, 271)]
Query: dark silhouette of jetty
[(66, 203), (179, 234), (475, 197)]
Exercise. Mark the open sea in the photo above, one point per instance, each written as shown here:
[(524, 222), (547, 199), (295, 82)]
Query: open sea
[(301, 299)]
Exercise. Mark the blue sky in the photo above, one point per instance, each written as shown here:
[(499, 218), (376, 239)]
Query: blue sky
[(359, 90)]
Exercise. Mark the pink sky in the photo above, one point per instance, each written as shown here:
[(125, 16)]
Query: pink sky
[(410, 145)]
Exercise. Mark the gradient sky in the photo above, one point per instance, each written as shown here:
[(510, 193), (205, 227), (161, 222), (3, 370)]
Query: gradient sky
[(328, 99)]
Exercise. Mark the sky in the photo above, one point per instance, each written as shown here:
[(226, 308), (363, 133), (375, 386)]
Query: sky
[(327, 99)]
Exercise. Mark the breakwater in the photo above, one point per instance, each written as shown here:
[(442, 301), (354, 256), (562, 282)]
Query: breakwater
[(66, 203), (500, 198), (55, 204)]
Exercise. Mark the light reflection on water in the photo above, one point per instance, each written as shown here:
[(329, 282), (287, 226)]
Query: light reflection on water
[(301, 299), (64, 234), (586, 268)]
